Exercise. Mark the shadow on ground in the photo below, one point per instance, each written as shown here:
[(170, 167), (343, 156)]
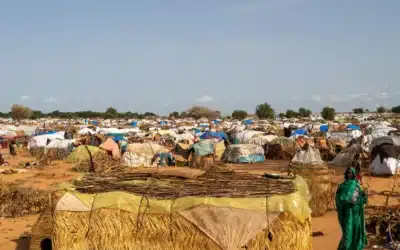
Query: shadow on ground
[(23, 242)]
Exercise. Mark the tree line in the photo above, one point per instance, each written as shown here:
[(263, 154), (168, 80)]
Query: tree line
[(262, 111)]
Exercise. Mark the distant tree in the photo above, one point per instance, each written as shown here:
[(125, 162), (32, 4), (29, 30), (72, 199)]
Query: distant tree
[(183, 114), (381, 110), (37, 114), (198, 112), (5, 115), (265, 111), (328, 113), (358, 110), (396, 109), (303, 112), (282, 115), (111, 113), (239, 114), (19, 112), (174, 114), (367, 111), (149, 114), (290, 113)]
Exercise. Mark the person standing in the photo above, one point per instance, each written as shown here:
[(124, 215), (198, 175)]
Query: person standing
[(350, 200)]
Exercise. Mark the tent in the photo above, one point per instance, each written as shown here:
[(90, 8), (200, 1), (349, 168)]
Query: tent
[(243, 153), (385, 154)]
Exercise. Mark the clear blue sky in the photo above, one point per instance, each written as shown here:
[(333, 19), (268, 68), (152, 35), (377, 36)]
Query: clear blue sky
[(162, 56)]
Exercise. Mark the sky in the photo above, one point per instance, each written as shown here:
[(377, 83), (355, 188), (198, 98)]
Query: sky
[(163, 56)]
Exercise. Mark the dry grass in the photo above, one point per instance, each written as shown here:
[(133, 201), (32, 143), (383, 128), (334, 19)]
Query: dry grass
[(118, 229), (318, 178), (16, 201)]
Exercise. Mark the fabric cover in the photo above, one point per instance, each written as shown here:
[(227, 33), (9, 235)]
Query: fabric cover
[(309, 156), (387, 166), (112, 146), (233, 153)]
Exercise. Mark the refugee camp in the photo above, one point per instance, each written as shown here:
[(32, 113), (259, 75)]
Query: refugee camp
[(199, 125)]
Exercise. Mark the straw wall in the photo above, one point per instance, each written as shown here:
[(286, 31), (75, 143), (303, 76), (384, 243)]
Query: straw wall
[(118, 229), (318, 178)]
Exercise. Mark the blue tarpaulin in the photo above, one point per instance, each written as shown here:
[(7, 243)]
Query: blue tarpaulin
[(46, 132), (216, 121), (324, 128), (248, 122), (211, 135), (300, 132), (163, 123), (94, 122), (353, 127), (134, 124)]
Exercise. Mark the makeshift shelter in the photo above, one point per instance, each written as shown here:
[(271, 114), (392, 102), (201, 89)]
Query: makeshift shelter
[(347, 156), (260, 140), (111, 146), (202, 154), (58, 149), (308, 164), (141, 154), (281, 148), (243, 153), (150, 212), (385, 155), (241, 137)]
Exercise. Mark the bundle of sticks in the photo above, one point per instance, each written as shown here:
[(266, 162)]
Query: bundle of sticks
[(212, 183)]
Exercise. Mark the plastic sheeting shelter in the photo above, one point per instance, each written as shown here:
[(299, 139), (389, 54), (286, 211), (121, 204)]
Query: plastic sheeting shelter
[(324, 128), (211, 135), (248, 122), (353, 127)]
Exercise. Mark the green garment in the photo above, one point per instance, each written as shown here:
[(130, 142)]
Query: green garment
[(350, 208)]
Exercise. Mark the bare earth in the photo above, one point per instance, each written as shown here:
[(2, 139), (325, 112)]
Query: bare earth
[(14, 231)]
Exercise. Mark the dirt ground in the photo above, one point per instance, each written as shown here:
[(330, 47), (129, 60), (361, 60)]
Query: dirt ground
[(14, 232)]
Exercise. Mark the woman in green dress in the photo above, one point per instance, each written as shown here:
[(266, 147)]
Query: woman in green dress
[(350, 200)]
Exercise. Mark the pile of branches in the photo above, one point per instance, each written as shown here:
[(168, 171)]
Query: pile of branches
[(382, 219), (212, 183), (16, 201)]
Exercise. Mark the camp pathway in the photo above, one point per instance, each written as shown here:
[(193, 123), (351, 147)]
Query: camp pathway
[(329, 226)]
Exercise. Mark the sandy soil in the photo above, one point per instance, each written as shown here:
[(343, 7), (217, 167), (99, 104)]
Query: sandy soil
[(13, 232)]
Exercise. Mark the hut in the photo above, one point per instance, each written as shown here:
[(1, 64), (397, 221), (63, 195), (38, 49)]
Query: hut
[(243, 153), (385, 155), (308, 164), (281, 148), (202, 154), (209, 211)]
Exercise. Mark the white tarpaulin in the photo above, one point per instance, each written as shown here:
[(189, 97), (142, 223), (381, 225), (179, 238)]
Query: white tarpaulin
[(389, 166)]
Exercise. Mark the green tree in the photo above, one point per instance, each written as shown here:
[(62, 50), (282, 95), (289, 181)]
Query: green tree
[(111, 113), (37, 114), (303, 112), (239, 114), (328, 113), (282, 115), (396, 109), (358, 111), (290, 113), (19, 112), (174, 114), (265, 111), (183, 114), (149, 114), (381, 110)]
